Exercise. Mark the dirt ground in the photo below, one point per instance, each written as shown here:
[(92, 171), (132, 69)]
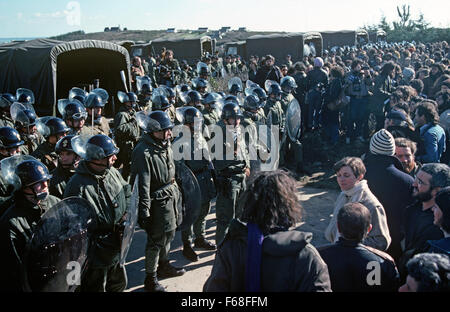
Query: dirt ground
[(318, 206)]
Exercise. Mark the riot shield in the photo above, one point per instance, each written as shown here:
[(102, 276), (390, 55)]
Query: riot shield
[(142, 119), (129, 223), (41, 126), (141, 81), (293, 120), (189, 207), (58, 252), (202, 68), (62, 104), (26, 93), (122, 96), (268, 139)]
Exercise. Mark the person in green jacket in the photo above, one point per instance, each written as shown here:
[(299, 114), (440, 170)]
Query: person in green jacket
[(102, 185), (19, 215), (152, 165), (288, 85), (67, 161), (53, 130), (232, 168), (210, 111), (6, 100), (126, 130), (273, 107), (202, 170), (27, 129)]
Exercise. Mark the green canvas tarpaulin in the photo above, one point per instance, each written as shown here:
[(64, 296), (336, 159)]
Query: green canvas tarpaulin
[(50, 68), (236, 48), (190, 50), (338, 38), (280, 45)]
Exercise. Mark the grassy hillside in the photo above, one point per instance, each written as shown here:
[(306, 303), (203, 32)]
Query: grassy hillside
[(148, 35)]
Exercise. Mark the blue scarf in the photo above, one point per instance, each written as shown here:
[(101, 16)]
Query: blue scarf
[(254, 252)]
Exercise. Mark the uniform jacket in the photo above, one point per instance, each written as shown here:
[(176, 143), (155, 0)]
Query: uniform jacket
[(158, 192), (289, 263), (102, 127), (347, 263), (47, 155), (378, 237), (109, 195), (16, 230), (58, 182)]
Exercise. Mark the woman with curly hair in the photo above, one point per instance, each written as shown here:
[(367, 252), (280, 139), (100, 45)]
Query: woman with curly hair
[(261, 251)]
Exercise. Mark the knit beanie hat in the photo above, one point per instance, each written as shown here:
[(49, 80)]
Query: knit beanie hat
[(382, 143), (318, 62)]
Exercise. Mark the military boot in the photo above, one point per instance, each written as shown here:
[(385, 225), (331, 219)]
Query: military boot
[(166, 270), (189, 253), (151, 283), (204, 244)]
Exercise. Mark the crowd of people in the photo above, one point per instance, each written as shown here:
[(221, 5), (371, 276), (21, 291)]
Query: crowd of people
[(390, 226)]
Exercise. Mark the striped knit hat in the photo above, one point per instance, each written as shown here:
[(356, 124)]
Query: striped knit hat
[(382, 143)]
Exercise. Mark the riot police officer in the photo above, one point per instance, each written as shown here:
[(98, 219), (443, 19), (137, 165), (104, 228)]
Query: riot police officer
[(25, 96), (126, 130), (95, 122), (211, 108), (153, 166), (26, 126), (10, 143), (97, 181), (232, 169), (21, 213), (145, 97), (160, 102), (6, 100), (273, 107), (67, 161), (75, 116), (288, 85), (53, 130), (193, 119), (194, 98), (200, 85)]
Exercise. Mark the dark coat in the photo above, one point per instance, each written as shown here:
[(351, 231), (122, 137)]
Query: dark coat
[(440, 246), (267, 73), (316, 76), (289, 263), (419, 228), (393, 188), (347, 263)]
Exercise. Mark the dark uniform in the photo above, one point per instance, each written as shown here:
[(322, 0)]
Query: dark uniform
[(126, 134), (17, 223), (47, 155), (231, 175), (109, 194), (153, 165)]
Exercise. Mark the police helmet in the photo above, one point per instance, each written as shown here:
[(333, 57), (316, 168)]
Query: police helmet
[(64, 144), (288, 84), (231, 110), (170, 92), (221, 93), (160, 102), (93, 100), (25, 96), (190, 114), (184, 88), (260, 93), (235, 88), (231, 99), (251, 102), (78, 94), (9, 138), (194, 96), (27, 118), (158, 121), (212, 98), (200, 83), (6, 100), (146, 88), (56, 126), (127, 97), (274, 89), (99, 147), (31, 172), (75, 111)]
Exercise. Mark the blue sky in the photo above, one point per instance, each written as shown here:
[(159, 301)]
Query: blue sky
[(43, 18)]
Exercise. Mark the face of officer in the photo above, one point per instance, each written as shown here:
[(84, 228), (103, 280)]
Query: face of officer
[(68, 159), (75, 124), (235, 122), (96, 110), (8, 152), (163, 135), (100, 165), (37, 192)]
